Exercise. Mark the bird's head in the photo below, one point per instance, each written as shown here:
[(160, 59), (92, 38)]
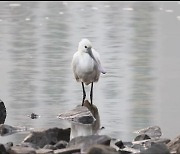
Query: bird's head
[(85, 46)]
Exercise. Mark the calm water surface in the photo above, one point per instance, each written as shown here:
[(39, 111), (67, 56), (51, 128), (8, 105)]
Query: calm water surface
[(139, 47)]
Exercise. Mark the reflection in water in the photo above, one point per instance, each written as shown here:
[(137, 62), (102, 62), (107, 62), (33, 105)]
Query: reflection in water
[(37, 41), (142, 70)]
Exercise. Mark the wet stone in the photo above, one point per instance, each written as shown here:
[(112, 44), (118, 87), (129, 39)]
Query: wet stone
[(61, 145), (152, 131), (142, 137), (44, 151), (22, 150), (120, 144), (48, 136), (174, 145), (48, 146), (8, 146), (84, 142), (156, 148), (2, 149), (101, 149), (67, 151)]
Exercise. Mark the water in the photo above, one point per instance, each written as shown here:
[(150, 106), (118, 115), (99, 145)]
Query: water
[(139, 47)]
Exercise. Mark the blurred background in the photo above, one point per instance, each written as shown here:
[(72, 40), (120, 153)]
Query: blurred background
[(139, 45)]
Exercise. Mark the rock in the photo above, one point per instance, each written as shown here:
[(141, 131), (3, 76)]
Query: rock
[(48, 146), (174, 145), (21, 150), (27, 144), (67, 151), (128, 150), (128, 144), (2, 112), (156, 148), (49, 136), (8, 130), (120, 144), (79, 115), (84, 120), (8, 146), (161, 140), (152, 131), (44, 151), (84, 142), (101, 149), (142, 137), (61, 145), (178, 150), (2, 149), (139, 147)]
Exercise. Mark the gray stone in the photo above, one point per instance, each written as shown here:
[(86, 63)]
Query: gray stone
[(2, 112), (128, 144), (84, 120), (21, 150), (2, 149), (156, 148), (101, 149), (80, 115), (49, 136), (120, 144), (44, 151), (67, 151), (27, 144), (61, 145), (84, 142), (141, 137), (162, 140), (48, 146), (8, 146), (178, 150), (8, 130), (152, 131), (174, 145)]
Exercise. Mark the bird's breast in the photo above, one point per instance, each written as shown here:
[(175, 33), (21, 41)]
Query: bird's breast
[(86, 64)]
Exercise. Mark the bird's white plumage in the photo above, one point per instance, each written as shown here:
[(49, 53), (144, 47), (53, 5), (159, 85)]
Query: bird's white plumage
[(86, 63)]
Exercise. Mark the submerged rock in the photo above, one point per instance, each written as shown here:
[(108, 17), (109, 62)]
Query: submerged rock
[(8, 130), (2, 112), (49, 136)]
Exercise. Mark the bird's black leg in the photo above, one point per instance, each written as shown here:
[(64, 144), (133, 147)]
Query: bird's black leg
[(91, 93), (84, 94)]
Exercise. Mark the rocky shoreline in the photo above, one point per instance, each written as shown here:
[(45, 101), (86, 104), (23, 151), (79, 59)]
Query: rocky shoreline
[(59, 141)]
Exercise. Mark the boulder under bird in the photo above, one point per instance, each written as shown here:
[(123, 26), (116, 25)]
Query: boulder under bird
[(86, 66)]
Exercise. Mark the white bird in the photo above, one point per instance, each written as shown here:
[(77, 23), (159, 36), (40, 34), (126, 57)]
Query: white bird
[(86, 66)]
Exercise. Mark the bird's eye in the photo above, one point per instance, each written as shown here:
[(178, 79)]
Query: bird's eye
[(85, 46)]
